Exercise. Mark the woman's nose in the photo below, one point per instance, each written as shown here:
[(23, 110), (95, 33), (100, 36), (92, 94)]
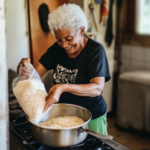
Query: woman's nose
[(64, 44)]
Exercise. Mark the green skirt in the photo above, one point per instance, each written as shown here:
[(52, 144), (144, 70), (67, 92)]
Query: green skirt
[(99, 124)]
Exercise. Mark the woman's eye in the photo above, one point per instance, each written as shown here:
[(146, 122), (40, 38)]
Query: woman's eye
[(69, 39), (58, 40)]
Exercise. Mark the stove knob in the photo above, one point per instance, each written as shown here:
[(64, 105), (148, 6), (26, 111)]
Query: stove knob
[(25, 143)]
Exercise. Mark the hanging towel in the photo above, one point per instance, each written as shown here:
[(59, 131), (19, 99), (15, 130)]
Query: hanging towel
[(109, 34)]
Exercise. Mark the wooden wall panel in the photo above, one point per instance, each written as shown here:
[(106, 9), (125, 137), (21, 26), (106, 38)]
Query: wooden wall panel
[(39, 40)]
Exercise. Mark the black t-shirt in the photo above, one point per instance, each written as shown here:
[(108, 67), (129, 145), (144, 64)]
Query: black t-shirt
[(90, 63)]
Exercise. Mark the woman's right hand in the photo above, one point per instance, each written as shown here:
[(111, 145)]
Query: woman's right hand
[(22, 63), (53, 95)]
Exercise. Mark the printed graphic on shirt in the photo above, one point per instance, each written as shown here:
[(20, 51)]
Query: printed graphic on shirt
[(63, 75)]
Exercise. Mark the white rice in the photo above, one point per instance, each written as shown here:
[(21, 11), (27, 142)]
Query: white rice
[(62, 122), (31, 96)]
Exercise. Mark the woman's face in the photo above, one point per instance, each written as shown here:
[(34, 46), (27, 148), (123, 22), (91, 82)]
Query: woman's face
[(70, 40)]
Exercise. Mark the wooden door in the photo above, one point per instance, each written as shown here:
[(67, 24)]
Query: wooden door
[(39, 40)]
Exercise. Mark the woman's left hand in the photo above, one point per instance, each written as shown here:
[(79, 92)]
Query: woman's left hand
[(53, 96)]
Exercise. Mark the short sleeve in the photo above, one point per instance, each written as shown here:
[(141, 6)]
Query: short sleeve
[(98, 64), (48, 59)]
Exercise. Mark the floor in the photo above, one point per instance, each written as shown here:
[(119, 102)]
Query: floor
[(129, 138)]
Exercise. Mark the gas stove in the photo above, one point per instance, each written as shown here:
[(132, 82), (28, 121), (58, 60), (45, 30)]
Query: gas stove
[(21, 127)]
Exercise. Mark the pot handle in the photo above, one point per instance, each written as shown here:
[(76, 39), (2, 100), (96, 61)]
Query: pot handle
[(97, 134)]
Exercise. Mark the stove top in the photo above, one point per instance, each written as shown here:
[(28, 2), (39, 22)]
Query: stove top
[(21, 127)]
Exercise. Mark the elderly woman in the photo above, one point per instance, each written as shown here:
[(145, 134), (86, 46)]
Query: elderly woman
[(79, 63)]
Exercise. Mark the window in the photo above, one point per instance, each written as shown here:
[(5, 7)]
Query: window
[(143, 17)]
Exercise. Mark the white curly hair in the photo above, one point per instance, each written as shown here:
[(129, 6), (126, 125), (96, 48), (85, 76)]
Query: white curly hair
[(67, 16)]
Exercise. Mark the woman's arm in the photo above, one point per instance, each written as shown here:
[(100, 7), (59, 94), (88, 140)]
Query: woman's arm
[(92, 89), (40, 69)]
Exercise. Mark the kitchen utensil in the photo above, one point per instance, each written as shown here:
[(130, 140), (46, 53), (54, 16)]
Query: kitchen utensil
[(65, 137), (103, 11), (93, 16)]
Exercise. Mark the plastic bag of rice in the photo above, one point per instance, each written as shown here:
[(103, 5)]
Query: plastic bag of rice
[(30, 93)]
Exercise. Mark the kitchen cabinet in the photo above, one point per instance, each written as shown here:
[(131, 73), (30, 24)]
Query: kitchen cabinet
[(39, 40), (133, 105)]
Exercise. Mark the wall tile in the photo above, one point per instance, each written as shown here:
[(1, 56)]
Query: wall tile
[(137, 65), (147, 54), (125, 51), (147, 65), (125, 65), (137, 53)]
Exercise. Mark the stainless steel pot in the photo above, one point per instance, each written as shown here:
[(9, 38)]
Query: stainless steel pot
[(65, 137)]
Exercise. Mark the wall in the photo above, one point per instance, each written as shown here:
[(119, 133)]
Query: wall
[(134, 58), (3, 81), (17, 32), (78, 2)]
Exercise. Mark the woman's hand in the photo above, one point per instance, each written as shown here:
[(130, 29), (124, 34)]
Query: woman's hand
[(24, 69), (53, 95), (38, 66), (22, 63)]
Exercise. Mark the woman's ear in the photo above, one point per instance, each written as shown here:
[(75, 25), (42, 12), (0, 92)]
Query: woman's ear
[(82, 30)]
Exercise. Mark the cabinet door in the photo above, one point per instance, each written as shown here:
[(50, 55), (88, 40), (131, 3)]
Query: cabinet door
[(39, 40)]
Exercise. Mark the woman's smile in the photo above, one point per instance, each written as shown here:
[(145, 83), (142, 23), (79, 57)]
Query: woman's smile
[(69, 48)]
